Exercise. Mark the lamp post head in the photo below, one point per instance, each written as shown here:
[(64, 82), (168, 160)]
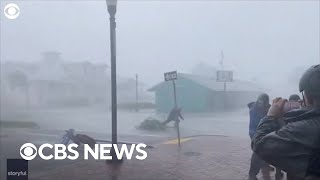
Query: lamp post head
[(112, 7)]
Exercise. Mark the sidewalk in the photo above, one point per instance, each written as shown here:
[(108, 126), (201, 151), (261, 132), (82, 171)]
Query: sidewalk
[(200, 158)]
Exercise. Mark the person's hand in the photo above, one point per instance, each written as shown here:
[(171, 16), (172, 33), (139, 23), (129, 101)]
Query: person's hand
[(301, 102), (277, 108)]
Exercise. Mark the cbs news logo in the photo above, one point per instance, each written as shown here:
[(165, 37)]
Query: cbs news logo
[(29, 151), (11, 11)]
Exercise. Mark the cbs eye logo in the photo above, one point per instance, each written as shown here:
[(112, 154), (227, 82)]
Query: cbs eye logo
[(28, 151), (11, 11)]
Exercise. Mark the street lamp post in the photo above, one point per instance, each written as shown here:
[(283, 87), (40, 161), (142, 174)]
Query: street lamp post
[(112, 9)]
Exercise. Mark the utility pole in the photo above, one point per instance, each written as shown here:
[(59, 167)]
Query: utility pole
[(221, 60), (224, 81), (137, 89)]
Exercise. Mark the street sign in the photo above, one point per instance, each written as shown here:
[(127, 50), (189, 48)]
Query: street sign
[(169, 76), (172, 76), (224, 76)]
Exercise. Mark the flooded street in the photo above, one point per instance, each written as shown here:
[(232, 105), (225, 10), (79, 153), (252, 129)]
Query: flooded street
[(97, 124), (98, 120), (112, 79)]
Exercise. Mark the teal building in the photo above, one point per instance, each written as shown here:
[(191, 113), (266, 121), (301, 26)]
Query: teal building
[(204, 94)]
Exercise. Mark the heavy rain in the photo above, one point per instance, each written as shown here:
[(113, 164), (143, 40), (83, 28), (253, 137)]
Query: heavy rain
[(56, 75)]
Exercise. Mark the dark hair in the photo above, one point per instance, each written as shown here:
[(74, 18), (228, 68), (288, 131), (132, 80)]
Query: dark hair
[(294, 97), (263, 98)]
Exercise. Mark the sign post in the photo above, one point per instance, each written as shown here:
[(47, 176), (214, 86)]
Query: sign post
[(172, 76), (224, 76)]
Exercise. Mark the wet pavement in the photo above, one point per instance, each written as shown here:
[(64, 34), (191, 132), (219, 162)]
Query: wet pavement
[(203, 157), (12, 139), (99, 120), (214, 146)]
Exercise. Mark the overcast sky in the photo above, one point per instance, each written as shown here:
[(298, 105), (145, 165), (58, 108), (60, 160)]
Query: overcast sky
[(258, 38)]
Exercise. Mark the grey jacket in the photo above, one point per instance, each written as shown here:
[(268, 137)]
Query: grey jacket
[(291, 143)]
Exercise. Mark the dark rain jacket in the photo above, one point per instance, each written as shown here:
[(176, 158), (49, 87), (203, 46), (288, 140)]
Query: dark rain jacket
[(174, 115), (291, 143), (256, 115)]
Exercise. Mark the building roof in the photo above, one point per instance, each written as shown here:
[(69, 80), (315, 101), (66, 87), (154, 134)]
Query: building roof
[(212, 84)]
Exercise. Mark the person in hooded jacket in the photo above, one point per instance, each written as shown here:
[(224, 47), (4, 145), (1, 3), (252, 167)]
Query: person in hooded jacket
[(174, 115), (291, 140), (257, 111)]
